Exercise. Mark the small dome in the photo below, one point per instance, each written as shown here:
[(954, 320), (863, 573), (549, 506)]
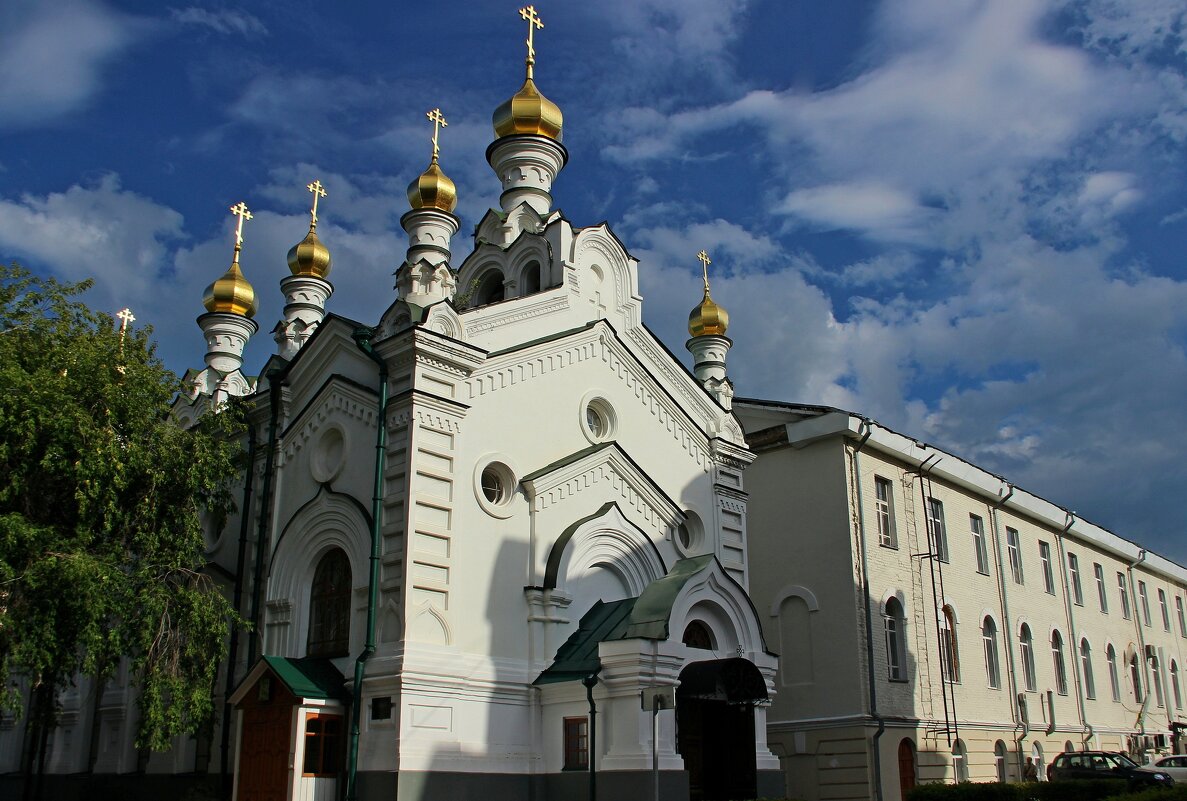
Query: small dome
[(310, 257), (708, 318), (529, 112), (231, 294), (433, 190)]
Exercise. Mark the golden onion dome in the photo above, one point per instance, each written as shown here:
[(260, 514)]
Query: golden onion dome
[(433, 190), (529, 112), (310, 257), (231, 294), (708, 318)]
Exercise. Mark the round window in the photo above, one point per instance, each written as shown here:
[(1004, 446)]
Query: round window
[(690, 535), (493, 486), (598, 421)]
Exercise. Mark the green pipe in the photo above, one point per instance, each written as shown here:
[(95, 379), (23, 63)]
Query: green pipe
[(265, 514), (362, 338)]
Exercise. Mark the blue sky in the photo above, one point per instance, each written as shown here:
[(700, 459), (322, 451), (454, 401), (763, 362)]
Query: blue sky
[(965, 219)]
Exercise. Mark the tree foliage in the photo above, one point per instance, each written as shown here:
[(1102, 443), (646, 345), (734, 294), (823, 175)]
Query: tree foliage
[(101, 504)]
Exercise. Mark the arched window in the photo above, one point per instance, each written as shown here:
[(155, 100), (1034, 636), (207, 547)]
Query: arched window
[(1156, 673), (1175, 685), (329, 606), (999, 760), (698, 635), (906, 766), (529, 281), (1026, 649), (1135, 677), (949, 656), (1036, 754), (1068, 748), (960, 761), (490, 289), (1111, 660), (1057, 663), (1086, 669), (896, 645), (989, 640)]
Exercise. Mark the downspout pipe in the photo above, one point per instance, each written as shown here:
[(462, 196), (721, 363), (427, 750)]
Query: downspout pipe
[(362, 338), (1021, 726), (1074, 647), (590, 682), (233, 649), (867, 430), (265, 514), (1137, 623)]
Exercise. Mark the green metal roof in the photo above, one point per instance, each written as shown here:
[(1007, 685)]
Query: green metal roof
[(309, 677), (649, 617), (578, 657)]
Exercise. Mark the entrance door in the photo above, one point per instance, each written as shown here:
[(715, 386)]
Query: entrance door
[(715, 728), (264, 751), (906, 766)]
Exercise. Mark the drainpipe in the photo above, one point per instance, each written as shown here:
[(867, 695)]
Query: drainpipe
[(590, 682), (233, 650), (274, 385), (1137, 622), (1086, 727), (865, 593), (1021, 725), (362, 338)]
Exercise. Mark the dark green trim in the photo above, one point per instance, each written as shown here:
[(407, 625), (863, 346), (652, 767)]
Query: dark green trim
[(309, 677), (558, 548), (649, 618)]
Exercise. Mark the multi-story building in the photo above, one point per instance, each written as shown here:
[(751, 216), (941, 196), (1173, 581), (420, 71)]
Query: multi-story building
[(935, 622)]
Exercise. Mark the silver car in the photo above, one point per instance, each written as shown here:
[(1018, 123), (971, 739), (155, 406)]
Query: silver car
[(1174, 765)]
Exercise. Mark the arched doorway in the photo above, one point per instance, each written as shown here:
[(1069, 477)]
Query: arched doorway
[(715, 727), (906, 766)]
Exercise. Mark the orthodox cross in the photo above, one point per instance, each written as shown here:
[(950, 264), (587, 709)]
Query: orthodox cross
[(705, 262), (438, 119), (318, 191), (534, 22), (240, 211)]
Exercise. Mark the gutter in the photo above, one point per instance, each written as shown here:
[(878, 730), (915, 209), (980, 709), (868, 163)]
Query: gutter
[(362, 338), (1137, 622), (241, 556), (1074, 649), (865, 592), (265, 514), (1021, 724)]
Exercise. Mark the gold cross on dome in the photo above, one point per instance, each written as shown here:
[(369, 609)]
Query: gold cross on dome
[(318, 191), (438, 119), (705, 262), (240, 211), (125, 316), (533, 19)]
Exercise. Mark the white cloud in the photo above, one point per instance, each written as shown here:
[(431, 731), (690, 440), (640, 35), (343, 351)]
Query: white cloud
[(877, 210), (225, 22), (52, 56)]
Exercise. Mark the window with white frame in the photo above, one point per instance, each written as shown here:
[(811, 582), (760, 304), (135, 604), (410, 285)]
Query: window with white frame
[(1135, 677), (1179, 612), (960, 761), (999, 761), (1123, 593), (977, 525), (576, 743), (1175, 685), (884, 504), (1166, 614), (1101, 594), (1155, 675), (1058, 664), (949, 656), (1014, 550), (1073, 569), (989, 641), (939, 536), (1045, 560), (1144, 597), (1026, 651), (1111, 662), (1086, 669), (896, 644)]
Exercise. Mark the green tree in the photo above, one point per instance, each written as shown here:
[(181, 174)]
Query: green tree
[(101, 503)]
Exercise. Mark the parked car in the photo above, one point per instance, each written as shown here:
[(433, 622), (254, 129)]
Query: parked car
[(1174, 765), (1106, 765)]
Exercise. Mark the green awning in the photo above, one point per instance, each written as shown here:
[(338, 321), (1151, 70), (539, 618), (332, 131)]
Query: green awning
[(578, 657), (649, 618), (309, 677)]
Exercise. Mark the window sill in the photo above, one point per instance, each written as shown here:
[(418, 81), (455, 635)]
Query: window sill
[(898, 681), (575, 770), (893, 546), (983, 572)]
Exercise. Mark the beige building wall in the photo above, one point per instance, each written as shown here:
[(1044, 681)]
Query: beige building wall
[(814, 505)]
